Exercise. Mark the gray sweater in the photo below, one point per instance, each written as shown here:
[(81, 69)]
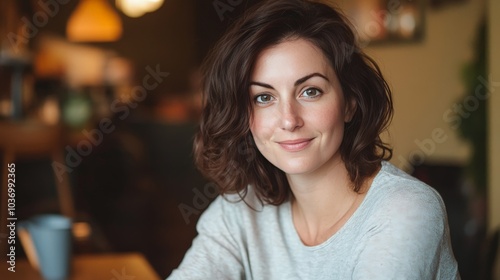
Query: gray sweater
[(400, 231)]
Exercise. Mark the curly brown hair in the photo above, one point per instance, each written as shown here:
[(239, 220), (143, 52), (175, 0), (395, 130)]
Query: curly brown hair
[(224, 148)]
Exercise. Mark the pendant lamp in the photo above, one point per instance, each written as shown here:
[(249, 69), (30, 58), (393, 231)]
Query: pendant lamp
[(94, 21), (137, 8)]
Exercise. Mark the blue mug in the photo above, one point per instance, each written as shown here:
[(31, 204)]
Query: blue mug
[(46, 240)]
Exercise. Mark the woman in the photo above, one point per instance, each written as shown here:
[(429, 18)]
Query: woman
[(290, 133)]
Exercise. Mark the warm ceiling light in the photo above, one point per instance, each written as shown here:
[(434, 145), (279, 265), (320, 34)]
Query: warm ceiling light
[(94, 21), (137, 8)]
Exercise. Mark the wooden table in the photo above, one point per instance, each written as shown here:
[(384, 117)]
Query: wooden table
[(92, 267)]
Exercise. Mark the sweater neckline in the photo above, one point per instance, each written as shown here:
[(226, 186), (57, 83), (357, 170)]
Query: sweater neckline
[(355, 216)]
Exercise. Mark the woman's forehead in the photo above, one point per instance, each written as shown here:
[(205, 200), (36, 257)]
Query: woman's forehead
[(294, 58)]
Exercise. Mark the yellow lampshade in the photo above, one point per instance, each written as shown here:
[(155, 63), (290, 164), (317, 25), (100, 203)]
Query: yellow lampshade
[(94, 21)]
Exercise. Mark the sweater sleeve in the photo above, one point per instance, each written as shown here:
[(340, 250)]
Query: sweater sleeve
[(214, 253), (408, 240)]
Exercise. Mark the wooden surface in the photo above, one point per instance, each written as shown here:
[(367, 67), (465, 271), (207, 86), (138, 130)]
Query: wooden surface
[(92, 267)]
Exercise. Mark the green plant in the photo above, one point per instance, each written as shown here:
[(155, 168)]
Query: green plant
[(474, 127)]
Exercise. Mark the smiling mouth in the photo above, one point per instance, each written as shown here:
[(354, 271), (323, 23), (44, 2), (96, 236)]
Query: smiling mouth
[(295, 145)]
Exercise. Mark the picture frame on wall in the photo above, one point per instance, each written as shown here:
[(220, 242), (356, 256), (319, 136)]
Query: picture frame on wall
[(387, 21)]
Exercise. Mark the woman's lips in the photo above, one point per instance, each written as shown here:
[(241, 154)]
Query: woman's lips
[(295, 145)]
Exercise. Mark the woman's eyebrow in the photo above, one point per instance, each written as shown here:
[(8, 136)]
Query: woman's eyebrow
[(261, 85), (305, 78), (297, 83)]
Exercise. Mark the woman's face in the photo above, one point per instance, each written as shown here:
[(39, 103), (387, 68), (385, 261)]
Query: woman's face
[(298, 108)]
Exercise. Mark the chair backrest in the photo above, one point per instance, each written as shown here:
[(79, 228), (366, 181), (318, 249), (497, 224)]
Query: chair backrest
[(29, 138)]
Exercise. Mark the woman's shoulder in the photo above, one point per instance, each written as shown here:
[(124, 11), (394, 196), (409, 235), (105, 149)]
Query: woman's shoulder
[(236, 209), (242, 203), (395, 192), (392, 181)]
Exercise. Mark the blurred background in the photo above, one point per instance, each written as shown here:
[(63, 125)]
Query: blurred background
[(99, 103)]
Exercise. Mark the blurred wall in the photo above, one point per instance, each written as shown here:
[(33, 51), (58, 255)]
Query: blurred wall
[(494, 114), (426, 81)]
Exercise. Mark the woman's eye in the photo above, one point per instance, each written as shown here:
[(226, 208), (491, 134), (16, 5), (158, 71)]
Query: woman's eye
[(263, 99), (311, 93)]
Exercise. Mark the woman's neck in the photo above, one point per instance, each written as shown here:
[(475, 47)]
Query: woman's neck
[(323, 202)]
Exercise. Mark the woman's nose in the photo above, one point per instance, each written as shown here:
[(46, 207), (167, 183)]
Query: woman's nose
[(290, 116)]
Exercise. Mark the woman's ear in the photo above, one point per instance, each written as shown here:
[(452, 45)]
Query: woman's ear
[(350, 109)]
